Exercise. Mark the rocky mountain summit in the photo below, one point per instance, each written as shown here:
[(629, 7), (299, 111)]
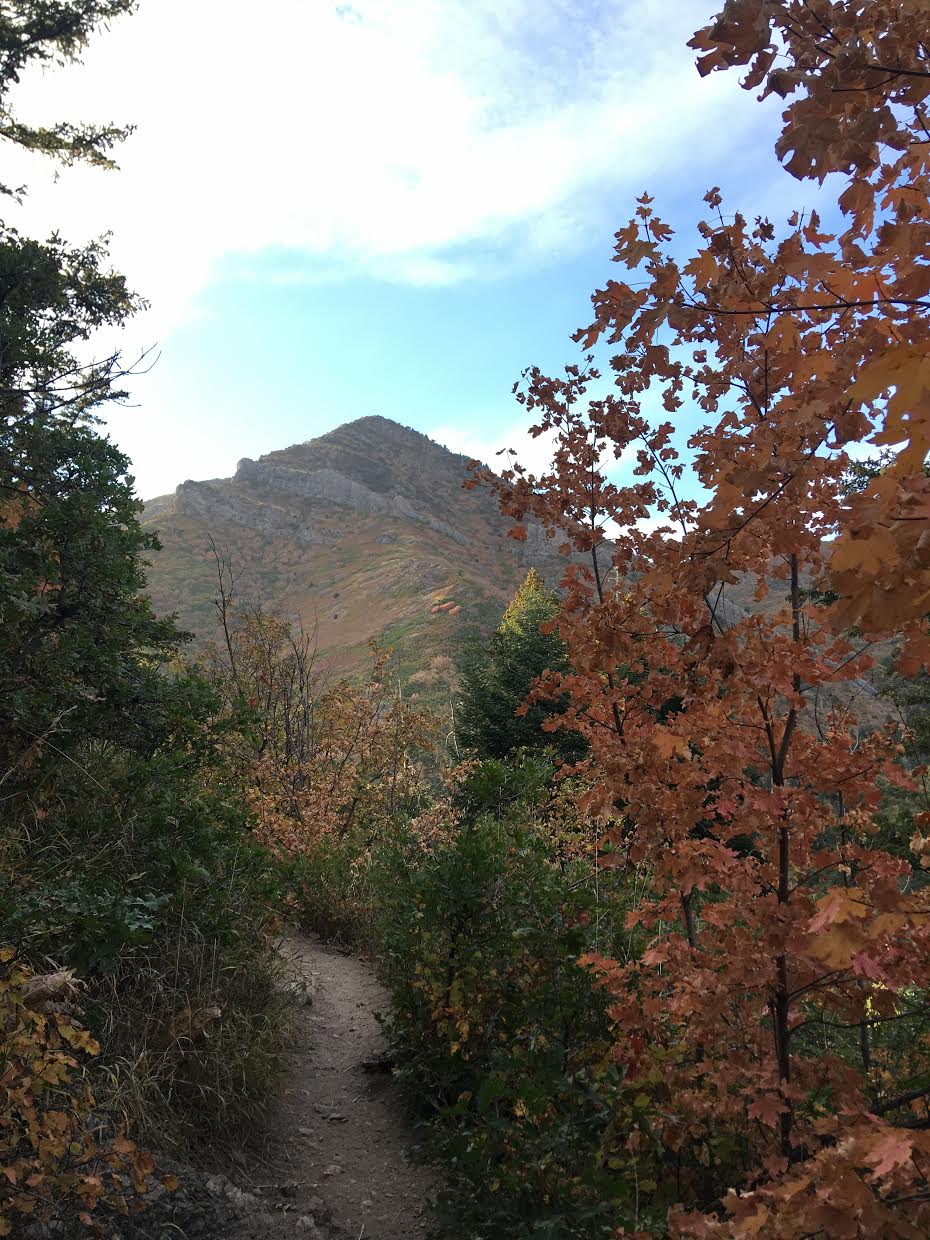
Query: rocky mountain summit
[(373, 467), (363, 533)]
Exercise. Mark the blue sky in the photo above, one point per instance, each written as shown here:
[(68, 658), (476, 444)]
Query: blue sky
[(389, 206)]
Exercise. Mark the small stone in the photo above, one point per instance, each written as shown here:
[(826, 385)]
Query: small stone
[(329, 1113), (305, 1132), (331, 1170)]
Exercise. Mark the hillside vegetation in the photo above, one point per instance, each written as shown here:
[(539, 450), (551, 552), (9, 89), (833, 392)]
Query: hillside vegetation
[(647, 892)]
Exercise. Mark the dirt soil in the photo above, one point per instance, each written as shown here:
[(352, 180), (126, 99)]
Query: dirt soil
[(332, 1162), (341, 1132)]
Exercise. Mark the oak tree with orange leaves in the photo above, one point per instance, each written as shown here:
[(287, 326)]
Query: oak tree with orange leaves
[(723, 751)]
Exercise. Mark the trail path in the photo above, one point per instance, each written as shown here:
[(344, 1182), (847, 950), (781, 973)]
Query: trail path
[(331, 1161), (335, 1157)]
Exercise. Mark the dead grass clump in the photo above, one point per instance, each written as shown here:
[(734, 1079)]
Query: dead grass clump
[(194, 1043)]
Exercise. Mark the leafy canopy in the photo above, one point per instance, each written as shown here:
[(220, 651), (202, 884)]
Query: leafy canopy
[(53, 32)]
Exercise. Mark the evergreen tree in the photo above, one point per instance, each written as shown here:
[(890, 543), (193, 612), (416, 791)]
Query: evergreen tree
[(79, 644), (496, 679), (77, 638), (53, 32), (109, 774), (124, 849)]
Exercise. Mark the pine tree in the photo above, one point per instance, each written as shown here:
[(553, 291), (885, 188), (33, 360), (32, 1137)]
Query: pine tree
[(497, 677)]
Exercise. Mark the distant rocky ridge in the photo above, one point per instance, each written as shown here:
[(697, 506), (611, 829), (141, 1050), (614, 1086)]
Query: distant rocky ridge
[(373, 467), (361, 532), (328, 484)]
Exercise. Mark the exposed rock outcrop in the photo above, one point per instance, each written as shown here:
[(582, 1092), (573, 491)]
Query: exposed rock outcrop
[(221, 501), (336, 488)]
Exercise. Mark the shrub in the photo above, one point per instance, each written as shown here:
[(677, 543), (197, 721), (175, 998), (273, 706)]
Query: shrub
[(332, 889), (50, 1161), (506, 1035), (140, 873)]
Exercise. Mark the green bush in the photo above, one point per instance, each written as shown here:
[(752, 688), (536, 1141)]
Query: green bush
[(503, 1037), (134, 865), (332, 890)]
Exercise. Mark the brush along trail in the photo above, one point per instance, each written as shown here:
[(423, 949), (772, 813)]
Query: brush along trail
[(330, 1162)]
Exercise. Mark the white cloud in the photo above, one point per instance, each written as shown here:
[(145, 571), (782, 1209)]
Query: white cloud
[(517, 446), (426, 141), (535, 455)]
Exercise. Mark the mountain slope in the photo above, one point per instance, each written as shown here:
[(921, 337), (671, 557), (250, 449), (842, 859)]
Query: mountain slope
[(362, 533), (366, 534)]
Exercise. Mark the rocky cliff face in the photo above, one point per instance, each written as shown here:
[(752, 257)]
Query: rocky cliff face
[(372, 467), (221, 501), (335, 488), (362, 532)]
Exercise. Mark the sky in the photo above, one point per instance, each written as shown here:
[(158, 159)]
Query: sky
[(384, 206)]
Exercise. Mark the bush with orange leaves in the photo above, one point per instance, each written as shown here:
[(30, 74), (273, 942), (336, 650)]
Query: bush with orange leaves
[(50, 1162), (317, 758)]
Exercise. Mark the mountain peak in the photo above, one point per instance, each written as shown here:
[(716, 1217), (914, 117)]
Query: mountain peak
[(374, 437), (375, 424), (373, 452), (362, 531)]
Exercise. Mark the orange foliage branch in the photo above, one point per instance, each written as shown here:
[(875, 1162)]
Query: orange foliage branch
[(724, 742)]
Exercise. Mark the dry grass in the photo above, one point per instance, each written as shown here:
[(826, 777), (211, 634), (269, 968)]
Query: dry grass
[(194, 1044)]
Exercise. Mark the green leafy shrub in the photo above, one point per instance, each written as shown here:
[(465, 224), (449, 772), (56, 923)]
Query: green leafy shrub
[(504, 1038), (332, 889), (142, 876)]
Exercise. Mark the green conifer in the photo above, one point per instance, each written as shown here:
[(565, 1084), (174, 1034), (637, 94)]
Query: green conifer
[(497, 676)]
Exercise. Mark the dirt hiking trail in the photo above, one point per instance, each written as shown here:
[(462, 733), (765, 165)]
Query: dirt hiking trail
[(339, 1134), (331, 1157)]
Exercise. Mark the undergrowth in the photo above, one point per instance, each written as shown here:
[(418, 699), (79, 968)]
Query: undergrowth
[(503, 1033), (141, 877), (501, 1036), (195, 1044)]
